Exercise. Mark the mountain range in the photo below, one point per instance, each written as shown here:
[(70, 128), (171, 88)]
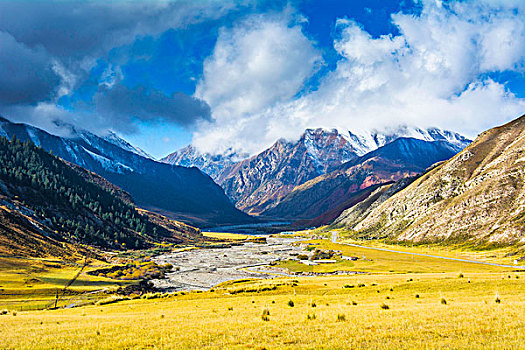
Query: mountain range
[(259, 183), (476, 197), (401, 158), (181, 193), (48, 204)]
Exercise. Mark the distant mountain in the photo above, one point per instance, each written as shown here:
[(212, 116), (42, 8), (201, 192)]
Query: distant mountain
[(476, 197), (46, 201), (212, 165), (181, 193), (328, 193), (258, 183)]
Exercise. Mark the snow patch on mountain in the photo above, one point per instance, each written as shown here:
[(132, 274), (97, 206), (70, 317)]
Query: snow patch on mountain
[(367, 141), (109, 164), (32, 135), (118, 141), (2, 132)]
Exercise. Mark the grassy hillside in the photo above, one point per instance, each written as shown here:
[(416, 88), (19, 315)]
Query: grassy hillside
[(44, 199), (476, 197)]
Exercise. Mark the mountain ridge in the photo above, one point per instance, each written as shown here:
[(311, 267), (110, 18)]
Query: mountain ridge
[(404, 157), (185, 194), (261, 181), (477, 196)]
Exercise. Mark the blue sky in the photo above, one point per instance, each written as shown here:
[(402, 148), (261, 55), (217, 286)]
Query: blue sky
[(228, 74)]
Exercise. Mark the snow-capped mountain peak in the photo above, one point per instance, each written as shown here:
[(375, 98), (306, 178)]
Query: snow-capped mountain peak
[(120, 142)]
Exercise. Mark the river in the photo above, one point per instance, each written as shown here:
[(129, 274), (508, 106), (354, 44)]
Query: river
[(201, 269)]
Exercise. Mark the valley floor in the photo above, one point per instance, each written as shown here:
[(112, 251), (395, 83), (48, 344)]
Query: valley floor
[(471, 317), (399, 302)]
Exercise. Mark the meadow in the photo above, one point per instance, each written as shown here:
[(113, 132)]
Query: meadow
[(396, 302)]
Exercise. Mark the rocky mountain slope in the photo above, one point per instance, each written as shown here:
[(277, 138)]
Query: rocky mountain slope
[(181, 193), (46, 202), (259, 183), (404, 157), (477, 196)]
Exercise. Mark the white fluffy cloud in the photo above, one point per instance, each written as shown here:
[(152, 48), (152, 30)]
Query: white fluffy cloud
[(262, 62), (433, 74)]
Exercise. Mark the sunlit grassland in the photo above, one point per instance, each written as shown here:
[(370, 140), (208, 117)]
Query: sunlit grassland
[(33, 283), (463, 250), (225, 235), (376, 261), (470, 319)]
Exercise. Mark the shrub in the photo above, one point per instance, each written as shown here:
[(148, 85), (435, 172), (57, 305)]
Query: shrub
[(4, 312), (460, 275), (361, 285), (265, 318), (498, 300), (302, 257), (443, 301), (311, 317), (313, 304), (354, 303), (341, 317), (348, 286), (266, 312), (291, 303), (230, 308), (417, 296), (384, 306)]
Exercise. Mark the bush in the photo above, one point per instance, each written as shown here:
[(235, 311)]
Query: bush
[(354, 303), (311, 317), (460, 275), (291, 303), (348, 286), (266, 312), (498, 300), (313, 304), (384, 306), (443, 301), (4, 312), (417, 296), (341, 318), (302, 257)]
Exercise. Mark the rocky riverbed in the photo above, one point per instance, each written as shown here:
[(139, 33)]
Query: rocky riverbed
[(201, 269)]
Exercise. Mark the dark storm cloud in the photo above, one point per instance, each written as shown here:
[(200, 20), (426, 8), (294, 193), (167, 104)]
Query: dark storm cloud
[(123, 105), (26, 75), (77, 29), (48, 49)]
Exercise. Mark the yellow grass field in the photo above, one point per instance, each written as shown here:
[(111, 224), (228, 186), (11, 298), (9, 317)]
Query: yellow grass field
[(27, 284), (225, 235), (470, 319), (424, 303)]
